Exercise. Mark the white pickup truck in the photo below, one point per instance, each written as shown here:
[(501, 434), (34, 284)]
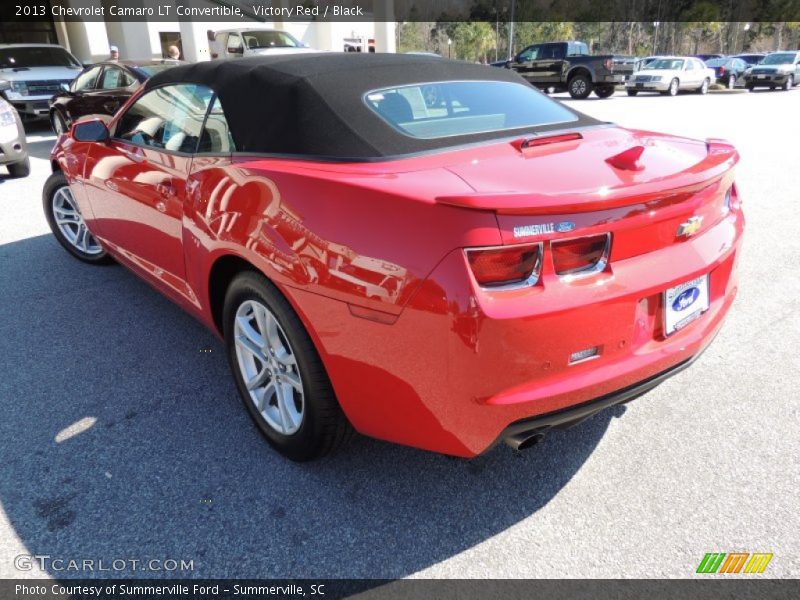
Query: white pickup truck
[(243, 41), (35, 73)]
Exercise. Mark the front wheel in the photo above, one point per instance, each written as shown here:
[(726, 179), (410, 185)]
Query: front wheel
[(66, 222), (57, 122), (673, 88), (580, 87), (632, 92), (278, 372), (788, 84)]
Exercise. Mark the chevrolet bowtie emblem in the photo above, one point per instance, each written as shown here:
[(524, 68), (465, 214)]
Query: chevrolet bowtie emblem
[(690, 227)]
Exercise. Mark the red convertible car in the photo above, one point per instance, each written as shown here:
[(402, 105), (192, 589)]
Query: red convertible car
[(424, 251)]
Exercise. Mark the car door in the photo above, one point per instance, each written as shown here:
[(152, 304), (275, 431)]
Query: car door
[(692, 74), (137, 181), (113, 88), (524, 61), (547, 66)]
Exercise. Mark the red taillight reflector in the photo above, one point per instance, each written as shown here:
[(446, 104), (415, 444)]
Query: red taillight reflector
[(506, 266), (579, 256)]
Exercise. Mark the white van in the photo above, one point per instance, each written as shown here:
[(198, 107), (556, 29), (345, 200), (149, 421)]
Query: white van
[(243, 41)]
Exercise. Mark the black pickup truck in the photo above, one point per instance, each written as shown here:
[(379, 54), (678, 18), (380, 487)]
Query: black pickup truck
[(567, 66)]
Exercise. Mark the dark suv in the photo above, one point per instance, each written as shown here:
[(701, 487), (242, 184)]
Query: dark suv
[(777, 70)]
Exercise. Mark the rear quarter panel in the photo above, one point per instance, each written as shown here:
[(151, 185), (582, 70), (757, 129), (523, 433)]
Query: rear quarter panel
[(364, 238)]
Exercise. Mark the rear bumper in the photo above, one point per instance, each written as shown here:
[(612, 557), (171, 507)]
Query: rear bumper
[(617, 79), (518, 432), (459, 369)]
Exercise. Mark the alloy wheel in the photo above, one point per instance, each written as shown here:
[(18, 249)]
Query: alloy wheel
[(673, 87), (731, 82), (578, 87), (70, 223), (268, 367)]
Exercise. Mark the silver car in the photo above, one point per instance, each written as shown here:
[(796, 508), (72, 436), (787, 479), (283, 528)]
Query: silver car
[(13, 148)]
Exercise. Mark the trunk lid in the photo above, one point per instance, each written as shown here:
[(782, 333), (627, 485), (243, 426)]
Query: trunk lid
[(638, 186)]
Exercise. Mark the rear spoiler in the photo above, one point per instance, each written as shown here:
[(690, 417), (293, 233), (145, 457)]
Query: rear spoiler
[(721, 157)]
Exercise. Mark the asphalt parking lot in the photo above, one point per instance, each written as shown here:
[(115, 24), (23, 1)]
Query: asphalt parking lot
[(122, 437)]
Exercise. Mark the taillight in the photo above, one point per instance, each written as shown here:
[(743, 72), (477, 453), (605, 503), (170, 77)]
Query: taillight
[(721, 71), (581, 256), (506, 267), (732, 199)]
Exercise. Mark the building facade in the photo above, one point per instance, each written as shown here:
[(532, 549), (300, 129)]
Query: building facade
[(90, 41)]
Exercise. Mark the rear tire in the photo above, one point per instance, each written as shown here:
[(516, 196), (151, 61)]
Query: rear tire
[(290, 396), (20, 169), (703, 89), (632, 92), (749, 87), (731, 82), (580, 86), (604, 91)]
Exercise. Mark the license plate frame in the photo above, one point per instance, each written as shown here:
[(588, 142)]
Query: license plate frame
[(678, 300)]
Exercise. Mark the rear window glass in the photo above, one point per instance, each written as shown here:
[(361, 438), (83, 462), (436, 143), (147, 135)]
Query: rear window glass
[(452, 108)]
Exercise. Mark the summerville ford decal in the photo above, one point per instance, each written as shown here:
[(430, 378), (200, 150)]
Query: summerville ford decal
[(543, 228)]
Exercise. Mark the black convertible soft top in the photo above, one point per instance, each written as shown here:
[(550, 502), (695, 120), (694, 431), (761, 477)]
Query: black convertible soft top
[(312, 104)]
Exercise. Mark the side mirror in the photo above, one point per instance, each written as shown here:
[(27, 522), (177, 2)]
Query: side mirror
[(93, 130)]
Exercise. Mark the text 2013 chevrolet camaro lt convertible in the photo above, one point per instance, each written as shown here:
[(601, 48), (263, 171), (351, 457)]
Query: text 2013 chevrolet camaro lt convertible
[(424, 251)]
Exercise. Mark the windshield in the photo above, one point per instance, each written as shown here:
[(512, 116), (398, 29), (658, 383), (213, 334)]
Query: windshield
[(666, 64), (36, 56), (269, 39), (450, 108), (779, 59)]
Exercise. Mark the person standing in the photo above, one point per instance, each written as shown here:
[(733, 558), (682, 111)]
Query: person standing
[(113, 53), (174, 53)]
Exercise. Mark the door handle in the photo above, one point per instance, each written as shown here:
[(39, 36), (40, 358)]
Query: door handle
[(165, 189)]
